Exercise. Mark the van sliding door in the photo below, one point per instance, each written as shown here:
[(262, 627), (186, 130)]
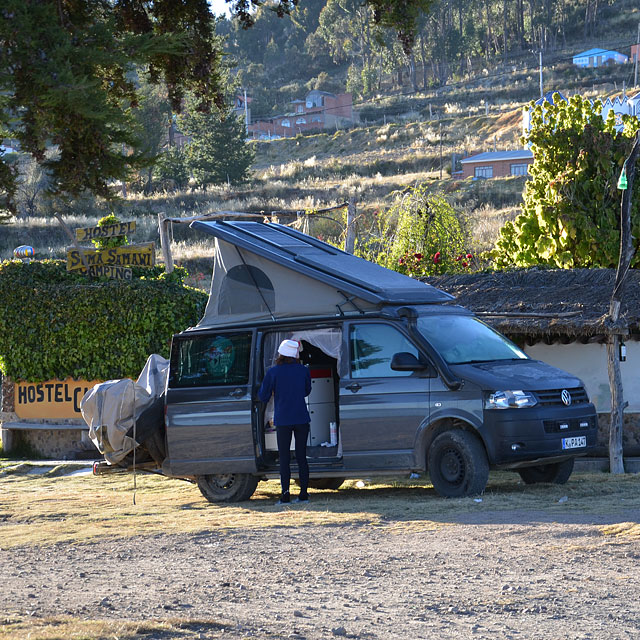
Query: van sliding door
[(208, 417), (381, 409)]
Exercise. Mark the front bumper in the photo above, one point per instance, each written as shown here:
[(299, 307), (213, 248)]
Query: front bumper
[(517, 437)]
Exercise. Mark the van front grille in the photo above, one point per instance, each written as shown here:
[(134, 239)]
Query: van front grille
[(553, 397), (568, 426)]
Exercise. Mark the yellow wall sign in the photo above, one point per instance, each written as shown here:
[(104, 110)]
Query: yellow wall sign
[(52, 399), (110, 231), (130, 255)]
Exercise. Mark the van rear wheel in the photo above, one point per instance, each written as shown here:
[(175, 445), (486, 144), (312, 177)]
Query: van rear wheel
[(556, 473), (229, 487), (458, 464)]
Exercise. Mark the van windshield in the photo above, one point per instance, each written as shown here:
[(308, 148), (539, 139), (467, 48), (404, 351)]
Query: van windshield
[(464, 339)]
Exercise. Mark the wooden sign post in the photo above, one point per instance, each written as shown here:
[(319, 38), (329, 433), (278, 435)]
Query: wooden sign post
[(115, 262)]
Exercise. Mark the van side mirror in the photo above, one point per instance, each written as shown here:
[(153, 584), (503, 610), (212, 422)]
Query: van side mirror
[(405, 361)]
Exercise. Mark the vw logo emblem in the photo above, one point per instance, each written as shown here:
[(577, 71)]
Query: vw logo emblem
[(566, 397)]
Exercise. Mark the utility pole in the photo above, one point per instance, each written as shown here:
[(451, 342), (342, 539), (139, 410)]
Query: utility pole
[(541, 91), (246, 114), (635, 73), (440, 134)]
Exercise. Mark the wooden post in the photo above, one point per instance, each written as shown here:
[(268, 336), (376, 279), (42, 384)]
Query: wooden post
[(627, 251), (74, 242), (165, 242), (350, 237)]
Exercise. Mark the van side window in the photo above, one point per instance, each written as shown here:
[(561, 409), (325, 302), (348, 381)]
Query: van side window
[(212, 360), (372, 348)]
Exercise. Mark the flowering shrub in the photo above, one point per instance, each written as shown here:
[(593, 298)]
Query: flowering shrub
[(420, 235)]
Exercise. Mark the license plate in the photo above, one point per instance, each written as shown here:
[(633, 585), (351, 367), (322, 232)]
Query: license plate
[(574, 443)]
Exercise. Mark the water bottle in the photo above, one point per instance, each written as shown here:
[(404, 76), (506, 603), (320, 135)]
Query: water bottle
[(333, 433)]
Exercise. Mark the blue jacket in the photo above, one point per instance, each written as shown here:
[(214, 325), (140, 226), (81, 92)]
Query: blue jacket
[(290, 385)]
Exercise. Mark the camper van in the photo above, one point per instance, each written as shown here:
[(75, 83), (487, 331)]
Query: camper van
[(403, 379)]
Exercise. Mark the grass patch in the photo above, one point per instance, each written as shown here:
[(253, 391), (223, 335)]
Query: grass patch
[(48, 509), (67, 628)]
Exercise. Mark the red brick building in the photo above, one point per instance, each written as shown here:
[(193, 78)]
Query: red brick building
[(497, 164), (319, 110)]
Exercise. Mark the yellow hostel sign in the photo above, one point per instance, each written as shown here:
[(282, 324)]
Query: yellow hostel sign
[(52, 399)]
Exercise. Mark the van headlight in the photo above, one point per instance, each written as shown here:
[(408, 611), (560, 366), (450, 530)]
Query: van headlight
[(509, 400)]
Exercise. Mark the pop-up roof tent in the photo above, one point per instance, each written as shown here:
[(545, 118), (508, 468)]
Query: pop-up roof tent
[(265, 271)]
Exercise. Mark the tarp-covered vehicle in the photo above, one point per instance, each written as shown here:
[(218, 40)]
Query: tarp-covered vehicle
[(403, 380)]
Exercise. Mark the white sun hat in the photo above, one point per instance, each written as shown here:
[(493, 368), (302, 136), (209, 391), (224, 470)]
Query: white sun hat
[(289, 348)]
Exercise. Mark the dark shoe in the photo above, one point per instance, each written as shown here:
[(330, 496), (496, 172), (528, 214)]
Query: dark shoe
[(285, 498), (302, 499)]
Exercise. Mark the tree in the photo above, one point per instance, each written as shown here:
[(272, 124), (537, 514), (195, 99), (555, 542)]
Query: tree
[(65, 68), (66, 82), (571, 204), (218, 152)]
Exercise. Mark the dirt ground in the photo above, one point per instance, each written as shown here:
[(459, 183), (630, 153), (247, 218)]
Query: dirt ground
[(495, 574)]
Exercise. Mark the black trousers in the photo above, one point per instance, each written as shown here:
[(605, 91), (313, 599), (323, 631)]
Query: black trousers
[(284, 434)]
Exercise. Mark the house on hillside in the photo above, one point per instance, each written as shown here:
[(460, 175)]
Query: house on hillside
[(497, 164), (559, 316), (598, 58), (319, 110)]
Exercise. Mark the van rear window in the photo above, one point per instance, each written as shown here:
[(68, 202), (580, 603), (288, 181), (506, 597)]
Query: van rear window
[(211, 360), (461, 339)]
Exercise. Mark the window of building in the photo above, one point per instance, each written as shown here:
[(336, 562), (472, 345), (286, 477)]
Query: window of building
[(372, 348), (316, 119), (519, 169), (300, 108), (484, 172), (301, 121), (286, 123)]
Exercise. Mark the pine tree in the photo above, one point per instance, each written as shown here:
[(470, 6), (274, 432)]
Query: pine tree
[(218, 152)]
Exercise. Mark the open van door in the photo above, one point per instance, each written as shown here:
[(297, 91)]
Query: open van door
[(208, 404)]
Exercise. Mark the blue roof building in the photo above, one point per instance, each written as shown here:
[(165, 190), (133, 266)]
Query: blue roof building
[(599, 57)]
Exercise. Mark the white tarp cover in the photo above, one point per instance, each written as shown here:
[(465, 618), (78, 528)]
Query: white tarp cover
[(247, 287), (110, 408)]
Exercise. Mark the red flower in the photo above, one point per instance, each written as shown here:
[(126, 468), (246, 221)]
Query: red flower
[(436, 258), (417, 255), (465, 264), (458, 258), (469, 255), (401, 261)]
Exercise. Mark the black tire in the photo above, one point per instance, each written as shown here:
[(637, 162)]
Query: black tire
[(326, 483), (556, 472), (230, 487), (458, 464)]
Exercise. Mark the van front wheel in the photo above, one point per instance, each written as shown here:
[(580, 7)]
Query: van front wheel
[(230, 487), (458, 464)]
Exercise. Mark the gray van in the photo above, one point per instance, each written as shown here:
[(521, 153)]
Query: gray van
[(403, 379)]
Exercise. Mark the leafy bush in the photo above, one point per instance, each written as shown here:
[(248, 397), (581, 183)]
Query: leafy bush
[(420, 235), (571, 207), (57, 324)]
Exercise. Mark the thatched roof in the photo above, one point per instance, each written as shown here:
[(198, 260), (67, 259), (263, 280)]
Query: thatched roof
[(549, 305)]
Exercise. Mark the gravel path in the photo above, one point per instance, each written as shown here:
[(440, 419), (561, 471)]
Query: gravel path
[(490, 575)]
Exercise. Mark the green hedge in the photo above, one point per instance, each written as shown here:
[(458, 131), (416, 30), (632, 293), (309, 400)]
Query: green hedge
[(56, 324)]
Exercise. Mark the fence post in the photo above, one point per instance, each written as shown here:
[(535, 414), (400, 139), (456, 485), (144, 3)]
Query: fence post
[(165, 242), (350, 238)]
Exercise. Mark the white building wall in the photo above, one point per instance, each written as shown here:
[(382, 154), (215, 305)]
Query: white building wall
[(589, 363)]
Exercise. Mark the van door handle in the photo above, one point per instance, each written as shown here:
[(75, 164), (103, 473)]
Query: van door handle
[(353, 387), (236, 393)]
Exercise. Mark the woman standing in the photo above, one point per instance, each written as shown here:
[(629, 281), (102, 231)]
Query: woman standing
[(290, 383)]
